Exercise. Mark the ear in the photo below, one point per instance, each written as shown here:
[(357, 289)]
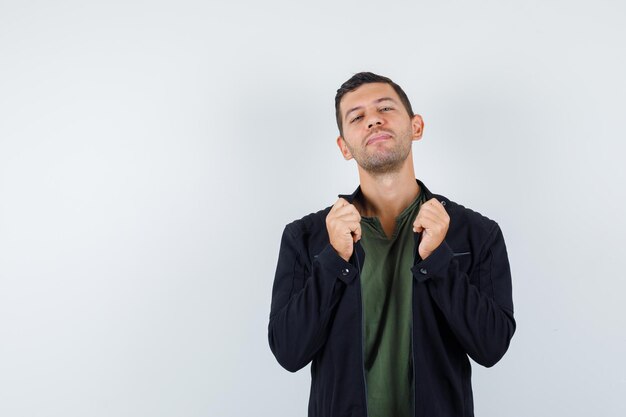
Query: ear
[(417, 125), (341, 142)]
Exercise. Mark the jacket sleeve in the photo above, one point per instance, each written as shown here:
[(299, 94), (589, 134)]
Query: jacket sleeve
[(481, 317), (303, 301)]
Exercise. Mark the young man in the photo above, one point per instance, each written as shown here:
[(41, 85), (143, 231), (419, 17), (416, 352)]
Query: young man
[(390, 290)]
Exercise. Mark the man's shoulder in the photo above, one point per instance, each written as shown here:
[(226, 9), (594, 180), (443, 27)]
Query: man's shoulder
[(311, 223), (308, 234), (462, 217)]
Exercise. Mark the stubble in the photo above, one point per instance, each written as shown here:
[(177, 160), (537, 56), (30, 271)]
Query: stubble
[(387, 159)]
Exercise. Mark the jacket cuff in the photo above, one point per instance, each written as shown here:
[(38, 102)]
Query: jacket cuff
[(335, 266), (435, 266)]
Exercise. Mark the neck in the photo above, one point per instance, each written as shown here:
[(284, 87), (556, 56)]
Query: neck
[(386, 195)]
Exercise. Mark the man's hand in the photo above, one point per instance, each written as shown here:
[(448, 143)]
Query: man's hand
[(433, 220), (344, 228)]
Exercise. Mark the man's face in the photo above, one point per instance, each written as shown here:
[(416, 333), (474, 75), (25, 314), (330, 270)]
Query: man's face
[(377, 130)]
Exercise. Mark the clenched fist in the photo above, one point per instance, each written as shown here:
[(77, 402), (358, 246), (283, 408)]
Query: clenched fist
[(344, 228), (433, 221)]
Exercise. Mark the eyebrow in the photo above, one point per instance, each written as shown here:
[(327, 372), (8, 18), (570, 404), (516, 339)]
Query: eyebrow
[(375, 101)]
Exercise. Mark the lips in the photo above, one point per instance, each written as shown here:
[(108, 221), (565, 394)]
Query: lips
[(377, 137)]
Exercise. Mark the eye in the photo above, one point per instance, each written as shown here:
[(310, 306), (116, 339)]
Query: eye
[(355, 119), (387, 108)]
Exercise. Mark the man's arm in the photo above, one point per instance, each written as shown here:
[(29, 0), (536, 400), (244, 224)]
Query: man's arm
[(481, 318), (300, 317)]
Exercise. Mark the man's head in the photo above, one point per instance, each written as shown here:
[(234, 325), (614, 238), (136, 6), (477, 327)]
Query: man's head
[(376, 123), (358, 80)]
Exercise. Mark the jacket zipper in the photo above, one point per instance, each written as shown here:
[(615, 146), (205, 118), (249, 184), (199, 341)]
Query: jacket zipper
[(358, 264), (413, 362), (414, 384), (416, 257), (428, 195)]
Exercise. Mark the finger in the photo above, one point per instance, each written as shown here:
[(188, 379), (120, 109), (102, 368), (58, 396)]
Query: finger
[(435, 208), (357, 233), (429, 217), (349, 217), (441, 211), (338, 204), (435, 212), (353, 226), (430, 225), (418, 226), (426, 221), (434, 202), (346, 210)]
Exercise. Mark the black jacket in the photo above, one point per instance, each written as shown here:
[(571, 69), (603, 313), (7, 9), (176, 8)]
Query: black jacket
[(462, 305)]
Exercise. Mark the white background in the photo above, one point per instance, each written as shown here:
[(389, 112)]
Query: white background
[(151, 153)]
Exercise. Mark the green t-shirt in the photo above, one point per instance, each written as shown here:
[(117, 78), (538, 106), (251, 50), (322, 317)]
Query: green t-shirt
[(387, 285)]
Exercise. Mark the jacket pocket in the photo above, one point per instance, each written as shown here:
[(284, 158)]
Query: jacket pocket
[(464, 259)]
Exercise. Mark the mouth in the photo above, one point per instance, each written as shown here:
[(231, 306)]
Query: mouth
[(377, 137)]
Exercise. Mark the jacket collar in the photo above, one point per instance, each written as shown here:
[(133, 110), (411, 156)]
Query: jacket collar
[(359, 253), (350, 197)]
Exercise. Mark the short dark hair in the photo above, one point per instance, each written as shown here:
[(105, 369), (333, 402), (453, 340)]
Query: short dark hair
[(358, 80)]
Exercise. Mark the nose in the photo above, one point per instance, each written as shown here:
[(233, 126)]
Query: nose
[(374, 120)]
